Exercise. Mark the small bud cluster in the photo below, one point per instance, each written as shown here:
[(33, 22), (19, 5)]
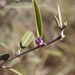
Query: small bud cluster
[(40, 42)]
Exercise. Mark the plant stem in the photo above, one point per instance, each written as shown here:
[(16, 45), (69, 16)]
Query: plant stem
[(57, 38)]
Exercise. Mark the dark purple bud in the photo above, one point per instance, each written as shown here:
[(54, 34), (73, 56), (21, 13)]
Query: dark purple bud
[(38, 41)]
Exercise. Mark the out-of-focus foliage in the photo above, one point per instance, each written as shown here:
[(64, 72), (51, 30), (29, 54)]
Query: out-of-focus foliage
[(18, 18)]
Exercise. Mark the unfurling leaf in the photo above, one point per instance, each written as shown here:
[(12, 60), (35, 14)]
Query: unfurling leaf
[(26, 39), (38, 19)]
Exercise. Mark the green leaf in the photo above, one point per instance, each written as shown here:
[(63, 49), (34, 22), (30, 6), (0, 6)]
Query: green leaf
[(38, 19), (53, 52), (26, 39), (15, 71)]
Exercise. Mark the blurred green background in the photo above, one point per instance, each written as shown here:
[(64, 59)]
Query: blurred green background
[(17, 17)]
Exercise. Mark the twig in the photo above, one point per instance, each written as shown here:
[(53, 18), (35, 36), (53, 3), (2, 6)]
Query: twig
[(57, 38)]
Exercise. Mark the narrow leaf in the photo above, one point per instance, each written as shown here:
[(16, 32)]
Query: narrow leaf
[(57, 21), (60, 19), (38, 19), (15, 71), (54, 52), (26, 39)]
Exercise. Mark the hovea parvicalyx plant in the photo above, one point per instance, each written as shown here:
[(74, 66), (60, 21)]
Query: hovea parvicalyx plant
[(29, 37)]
